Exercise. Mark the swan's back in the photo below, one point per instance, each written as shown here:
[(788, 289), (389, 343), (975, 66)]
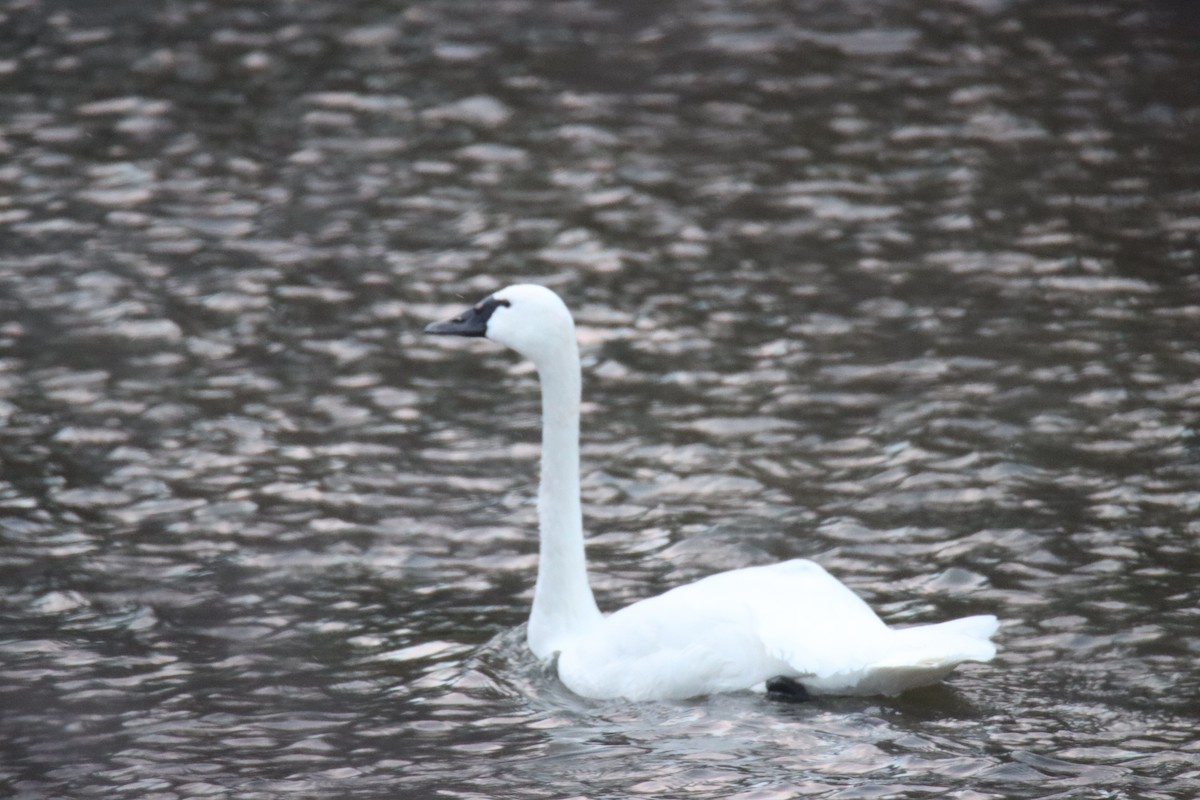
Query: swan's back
[(738, 629)]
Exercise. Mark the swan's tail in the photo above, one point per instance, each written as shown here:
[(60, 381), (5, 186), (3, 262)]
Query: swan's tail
[(941, 646), (916, 656)]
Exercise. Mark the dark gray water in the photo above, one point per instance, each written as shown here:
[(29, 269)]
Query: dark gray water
[(912, 289)]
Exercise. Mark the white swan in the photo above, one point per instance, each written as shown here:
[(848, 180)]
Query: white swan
[(790, 627)]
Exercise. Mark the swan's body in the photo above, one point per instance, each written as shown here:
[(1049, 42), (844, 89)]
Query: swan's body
[(731, 631)]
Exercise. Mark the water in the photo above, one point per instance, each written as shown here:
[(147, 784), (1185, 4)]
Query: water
[(911, 290)]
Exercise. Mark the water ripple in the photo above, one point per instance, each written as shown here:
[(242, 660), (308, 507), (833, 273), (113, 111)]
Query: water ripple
[(907, 291)]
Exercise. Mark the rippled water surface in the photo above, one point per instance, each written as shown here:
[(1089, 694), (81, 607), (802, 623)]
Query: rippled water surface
[(910, 289)]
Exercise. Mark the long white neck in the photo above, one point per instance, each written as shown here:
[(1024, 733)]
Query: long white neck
[(563, 605)]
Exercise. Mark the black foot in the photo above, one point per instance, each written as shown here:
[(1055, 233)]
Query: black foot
[(787, 690)]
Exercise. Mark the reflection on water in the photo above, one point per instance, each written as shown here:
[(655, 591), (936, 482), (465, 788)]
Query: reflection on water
[(908, 290)]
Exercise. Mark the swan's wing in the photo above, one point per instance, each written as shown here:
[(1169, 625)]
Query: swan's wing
[(822, 627), (726, 632)]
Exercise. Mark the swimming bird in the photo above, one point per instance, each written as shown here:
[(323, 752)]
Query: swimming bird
[(789, 628)]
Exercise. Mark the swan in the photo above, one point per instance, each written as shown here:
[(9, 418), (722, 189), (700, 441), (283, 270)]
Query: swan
[(790, 629)]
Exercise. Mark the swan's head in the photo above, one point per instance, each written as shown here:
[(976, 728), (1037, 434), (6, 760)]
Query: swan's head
[(530, 319)]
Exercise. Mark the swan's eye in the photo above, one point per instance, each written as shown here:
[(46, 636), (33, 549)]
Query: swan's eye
[(490, 305)]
